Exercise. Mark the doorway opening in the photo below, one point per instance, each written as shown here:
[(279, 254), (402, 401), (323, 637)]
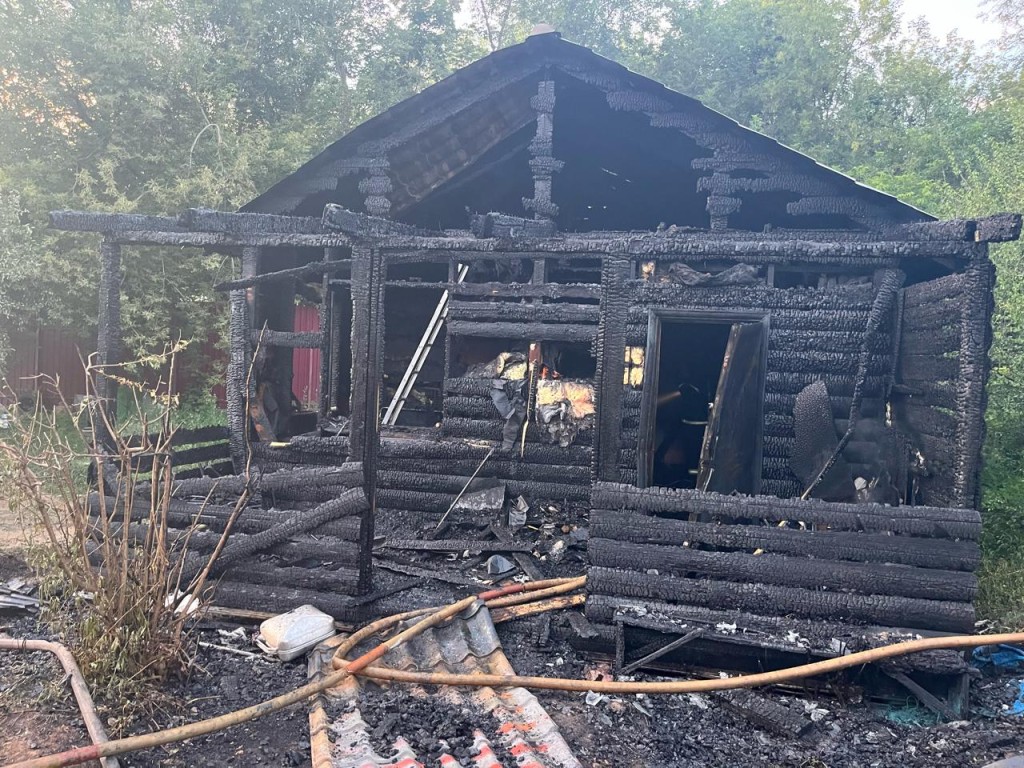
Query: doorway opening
[(702, 408)]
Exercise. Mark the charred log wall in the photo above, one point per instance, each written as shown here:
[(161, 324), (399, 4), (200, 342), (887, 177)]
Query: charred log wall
[(945, 333), (814, 333), (737, 564)]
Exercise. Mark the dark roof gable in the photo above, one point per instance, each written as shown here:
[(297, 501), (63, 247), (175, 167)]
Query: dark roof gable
[(636, 154)]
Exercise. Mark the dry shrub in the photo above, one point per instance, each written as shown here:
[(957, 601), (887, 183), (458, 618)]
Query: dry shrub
[(114, 572)]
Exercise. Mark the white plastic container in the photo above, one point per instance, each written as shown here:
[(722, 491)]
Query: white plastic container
[(292, 634)]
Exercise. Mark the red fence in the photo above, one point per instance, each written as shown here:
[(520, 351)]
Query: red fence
[(46, 354), (57, 353)]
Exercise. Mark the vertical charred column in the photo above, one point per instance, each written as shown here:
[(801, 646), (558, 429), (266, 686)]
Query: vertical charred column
[(975, 340), (610, 354), (330, 333), (109, 343), (542, 161), (237, 391), (368, 276), (238, 385)]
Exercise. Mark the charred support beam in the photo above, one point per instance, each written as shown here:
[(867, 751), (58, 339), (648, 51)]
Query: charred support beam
[(365, 225), (109, 343), (975, 340), (237, 385), (313, 269), (542, 162), (611, 344), (751, 250), (369, 273), (208, 220), (535, 331)]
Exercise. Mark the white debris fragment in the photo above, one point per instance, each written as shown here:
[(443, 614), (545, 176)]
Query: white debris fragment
[(695, 699), (816, 713), (725, 628), (593, 699)]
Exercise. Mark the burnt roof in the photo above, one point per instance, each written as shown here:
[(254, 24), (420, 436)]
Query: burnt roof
[(637, 154)]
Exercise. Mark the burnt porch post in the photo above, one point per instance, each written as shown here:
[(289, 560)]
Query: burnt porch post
[(109, 338)]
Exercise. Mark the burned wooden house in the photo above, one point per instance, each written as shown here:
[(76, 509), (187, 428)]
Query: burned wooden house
[(762, 383)]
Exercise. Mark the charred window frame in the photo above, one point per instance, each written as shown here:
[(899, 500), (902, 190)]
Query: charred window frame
[(656, 317)]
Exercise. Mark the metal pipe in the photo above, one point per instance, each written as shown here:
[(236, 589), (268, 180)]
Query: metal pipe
[(78, 686)]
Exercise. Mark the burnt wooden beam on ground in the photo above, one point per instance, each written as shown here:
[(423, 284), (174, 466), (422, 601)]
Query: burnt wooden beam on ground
[(646, 659), (766, 713), (473, 546)]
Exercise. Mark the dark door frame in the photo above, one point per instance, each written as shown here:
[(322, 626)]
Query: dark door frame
[(648, 398)]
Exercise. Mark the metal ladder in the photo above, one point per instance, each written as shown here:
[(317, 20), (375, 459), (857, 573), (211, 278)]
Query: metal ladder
[(420, 356)]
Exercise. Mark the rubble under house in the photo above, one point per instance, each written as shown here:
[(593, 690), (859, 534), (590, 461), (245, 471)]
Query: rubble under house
[(762, 383)]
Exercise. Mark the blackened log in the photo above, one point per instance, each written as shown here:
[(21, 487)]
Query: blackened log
[(934, 291), (474, 546), (838, 386), (928, 368), (927, 420), (290, 339), (752, 296), (766, 713), (1000, 228), (973, 358), (453, 484), (469, 407), (109, 341), (481, 311), (933, 341), (197, 544), (527, 290), (823, 637), (351, 502), (503, 225), (810, 573), (342, 580), (524, 331), (933, 522), (363, 225), (573, 455), (87, 221), (942, 615), (507, 469), (280, 599), (848, 252), (238, 388), (831, 545), (349, 475), (209, 220), (483, 429)]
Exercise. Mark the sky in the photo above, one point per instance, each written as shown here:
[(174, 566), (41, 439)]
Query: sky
[(944, 16)]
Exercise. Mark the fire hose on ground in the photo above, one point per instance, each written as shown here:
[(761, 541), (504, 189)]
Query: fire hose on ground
[(508, 598)]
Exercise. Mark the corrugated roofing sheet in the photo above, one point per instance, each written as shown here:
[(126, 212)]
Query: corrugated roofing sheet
[(519, 726)]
